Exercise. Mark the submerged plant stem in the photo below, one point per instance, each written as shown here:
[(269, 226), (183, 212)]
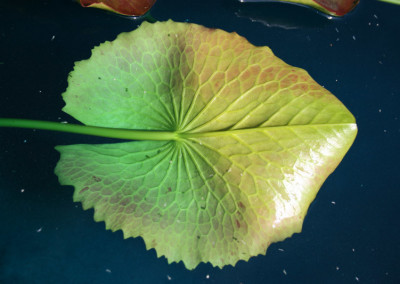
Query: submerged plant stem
[(126, 134)]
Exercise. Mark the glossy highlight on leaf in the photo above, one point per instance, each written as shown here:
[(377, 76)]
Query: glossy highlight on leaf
[(253, 139), (330, 7), (124, 7)]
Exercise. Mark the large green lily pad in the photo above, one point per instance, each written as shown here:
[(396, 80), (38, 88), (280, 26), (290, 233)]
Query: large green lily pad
[(253, 139)]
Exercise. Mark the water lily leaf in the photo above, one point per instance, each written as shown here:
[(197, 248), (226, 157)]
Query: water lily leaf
[(124, 7), (249, 142), (397, 2), (330, 7)]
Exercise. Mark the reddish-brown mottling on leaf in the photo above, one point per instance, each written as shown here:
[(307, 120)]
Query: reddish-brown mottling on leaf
[(241, 205), (96, 179), (238, 223), (84, 189), (124, 7), (125, 202)]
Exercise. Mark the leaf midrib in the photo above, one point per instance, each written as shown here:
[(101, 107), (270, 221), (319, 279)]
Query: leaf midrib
[(149, 135), (188, 135)]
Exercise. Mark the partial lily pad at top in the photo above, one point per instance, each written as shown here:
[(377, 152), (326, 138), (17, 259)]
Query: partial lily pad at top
[(249, 140), (124, 7), (396, 2), (330, 7)]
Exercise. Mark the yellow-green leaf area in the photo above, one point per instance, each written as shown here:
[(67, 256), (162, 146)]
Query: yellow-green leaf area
[(255, 139)]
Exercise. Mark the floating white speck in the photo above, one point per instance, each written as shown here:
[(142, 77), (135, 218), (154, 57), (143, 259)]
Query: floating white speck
[(208, 276), (65, 122), (281, 249), (375, 16), (357, 279), (22, 190), (380, 110), (333, 202), (337, 268), (353, 249), (25, 141), (354, 37), (284, 272), (337, 30), (39, 230), (169, 277), (108, 270), (53, 37)]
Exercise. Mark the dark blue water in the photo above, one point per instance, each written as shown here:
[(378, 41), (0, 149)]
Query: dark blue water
[(352, 231)]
